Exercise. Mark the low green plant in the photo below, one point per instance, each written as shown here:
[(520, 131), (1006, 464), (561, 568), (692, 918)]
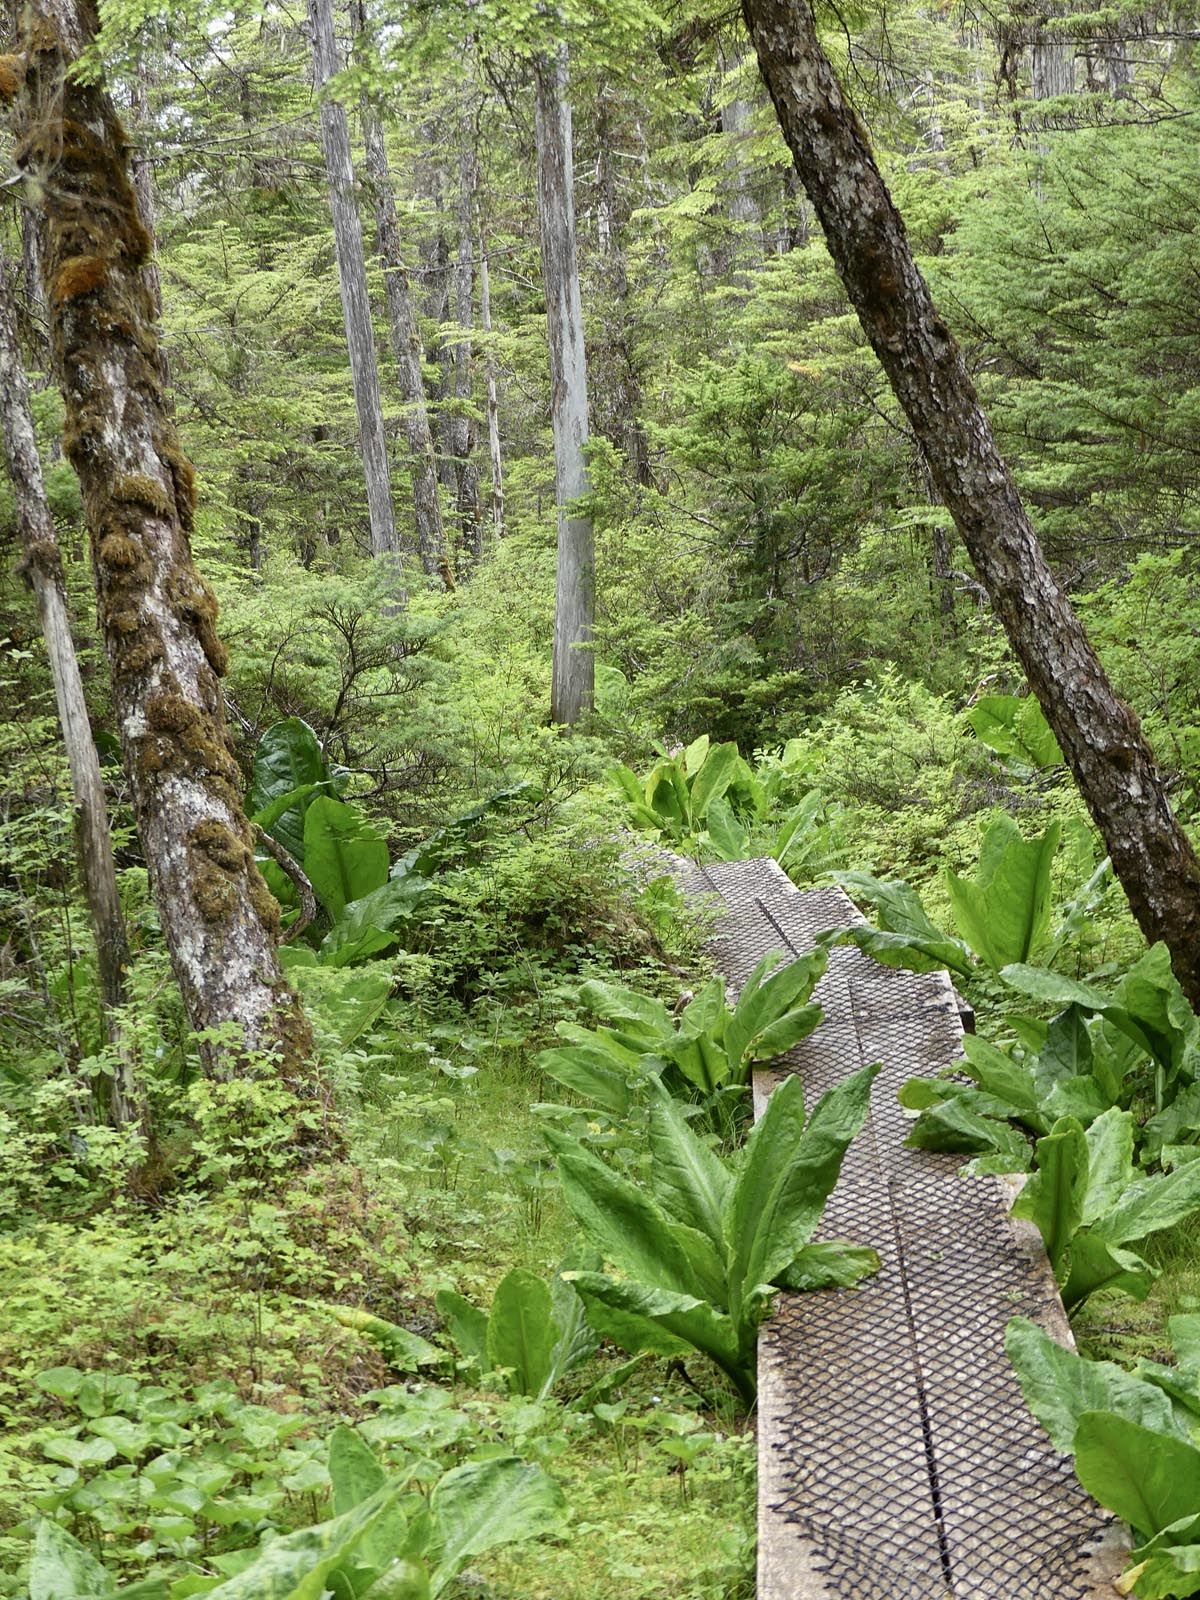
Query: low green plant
[(1088, 1201), (1002, 915), (1015, 726), (702, 1251), (678, 797), (1133, 1436), (385, 1540), (709, 1046)]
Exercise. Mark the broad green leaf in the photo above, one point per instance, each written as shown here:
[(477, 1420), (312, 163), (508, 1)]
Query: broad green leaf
[(62, 1569), (295, 1567), (629, 1228), (831, 1264), (353, 1469), (688, 1180), (468, 1324), (288, 759), (347, 1005), (369, 924), (728, 839), (639, 1317), (695, 755), (1066, 1052), (788, 1171), (614, 1003), (404, 1350), (585, 1071), (1148, 1478), (795, 827), (345, 856), (1110, 1166), (488, 1503), (1009, 1080), (713, 779), (1015, 725), (1060, 1386), (1052, 988), (952, 1125), (1172, 1572), (1004, 914), (1150, 1205), (521, 1331), (1053, 1198), (1097, 1264)]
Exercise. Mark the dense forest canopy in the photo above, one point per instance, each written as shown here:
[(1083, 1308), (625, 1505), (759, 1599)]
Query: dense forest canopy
[(445, 443)]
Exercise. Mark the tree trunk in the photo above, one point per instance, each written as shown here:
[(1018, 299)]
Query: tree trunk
[(1099, 735), (42, 567), (460, 434), (493, 398), (406, 351), (352, 280), (575, 599), (219, 920), (626, 385)]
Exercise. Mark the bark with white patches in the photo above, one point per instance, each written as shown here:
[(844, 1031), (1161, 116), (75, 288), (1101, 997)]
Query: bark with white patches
[(1100, 736), (493, 396), (219, 920), (575, 598)]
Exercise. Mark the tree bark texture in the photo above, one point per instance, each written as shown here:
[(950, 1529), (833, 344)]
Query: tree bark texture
[(219, 920), (42, 567), (406, 351), (459, 423), (352, 281), (1101, 737), (493, 396), (575, 597)]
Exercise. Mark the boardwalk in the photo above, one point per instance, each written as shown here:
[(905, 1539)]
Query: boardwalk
[(897, 1460)]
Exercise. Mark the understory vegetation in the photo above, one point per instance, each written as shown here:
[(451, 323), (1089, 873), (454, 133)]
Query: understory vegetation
[(470, 1305)]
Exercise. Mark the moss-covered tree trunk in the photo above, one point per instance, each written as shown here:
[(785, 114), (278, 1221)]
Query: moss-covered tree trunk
[(42, 566), (219, 920), (1099, 735)]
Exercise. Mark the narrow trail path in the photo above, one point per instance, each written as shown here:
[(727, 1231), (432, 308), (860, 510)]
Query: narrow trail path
[(897, 1459)]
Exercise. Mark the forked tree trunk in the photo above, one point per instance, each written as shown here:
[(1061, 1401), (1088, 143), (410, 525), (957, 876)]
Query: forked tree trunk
[(219, 920), (1100, 737), (352, 281), (575, 598), (42, 567), (493, 395)]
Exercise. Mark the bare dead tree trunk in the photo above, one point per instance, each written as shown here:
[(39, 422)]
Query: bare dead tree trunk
[(406, 352), (460, 432), (493, 397), (352, 280), (42, 567), (575, 599), (1099, 735), (219, 920), (625, 381)]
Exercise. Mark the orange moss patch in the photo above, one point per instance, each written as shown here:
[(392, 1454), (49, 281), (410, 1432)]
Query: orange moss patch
[(77, 276)]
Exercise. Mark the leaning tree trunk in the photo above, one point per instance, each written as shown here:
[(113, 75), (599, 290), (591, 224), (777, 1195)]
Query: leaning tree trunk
[(42, 567), (219, 920), (575, 600), (352, 281), (1099, 735)]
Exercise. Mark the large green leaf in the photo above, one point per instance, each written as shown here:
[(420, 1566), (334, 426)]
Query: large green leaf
[(1015, 725), (830, 1264), (688, 1179), (630, 1229), (522, 1333), (788, 1171), (714, 777), (1060, 1386), (368, 925), (727, 838), (1004, 914), (649, 1018), (468, 1324), (1148, 1478), (287, 762), (1096, 1264), (638, 1316), (1152, 1204), (296, 1566), (62, 1569), (1110, 1166), (488, 1503), (345, 856), (1053, 1198), (587, 1071), (353, 1469)]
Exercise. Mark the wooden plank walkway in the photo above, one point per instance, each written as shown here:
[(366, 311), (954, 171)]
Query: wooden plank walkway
[(897, 1459)]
